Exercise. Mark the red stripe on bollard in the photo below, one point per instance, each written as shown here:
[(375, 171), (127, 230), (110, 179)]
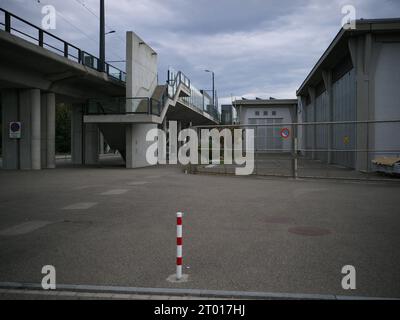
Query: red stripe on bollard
[(179, 241)]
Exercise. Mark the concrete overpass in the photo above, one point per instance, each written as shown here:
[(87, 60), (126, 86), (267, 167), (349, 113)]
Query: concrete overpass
[(39, 70)]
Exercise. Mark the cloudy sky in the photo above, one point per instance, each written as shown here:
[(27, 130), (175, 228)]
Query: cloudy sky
[(257, 48)]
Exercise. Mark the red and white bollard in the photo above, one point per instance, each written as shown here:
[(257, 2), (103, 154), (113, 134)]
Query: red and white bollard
[(179, 243)]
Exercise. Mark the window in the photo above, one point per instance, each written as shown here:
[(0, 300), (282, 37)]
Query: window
[(257, 113), (265, 113), (274, 113)]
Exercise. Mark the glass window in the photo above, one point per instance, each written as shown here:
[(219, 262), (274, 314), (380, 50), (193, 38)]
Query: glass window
[(257, 113), (265, 113), (274, 113)]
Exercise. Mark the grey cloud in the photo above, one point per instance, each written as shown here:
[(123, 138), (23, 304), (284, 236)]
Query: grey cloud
[(256, 47)]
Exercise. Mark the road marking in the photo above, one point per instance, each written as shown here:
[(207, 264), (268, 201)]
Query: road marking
[(168, 292), (114, 192), (89, 186), (24, 228), (81, 206), (154, 177), (137, 183)]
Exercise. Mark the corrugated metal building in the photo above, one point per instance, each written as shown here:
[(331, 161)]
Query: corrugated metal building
[(356, 79)]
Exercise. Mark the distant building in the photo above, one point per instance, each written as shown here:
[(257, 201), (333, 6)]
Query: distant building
[(226, 114), (356, 79), (265, 114)]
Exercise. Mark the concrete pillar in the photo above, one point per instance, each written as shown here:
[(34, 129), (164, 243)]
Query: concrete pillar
[(301, 130), (101, 143), (36, 136), (23, 106), (313, 128), (361, 50), (91, 144), (48, 130), (136, 145), (84, 139), (10, 113), (77, 134), (327, 77)]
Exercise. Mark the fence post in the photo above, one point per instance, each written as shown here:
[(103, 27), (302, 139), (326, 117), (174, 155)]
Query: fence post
[(66, 54), (179, 243), (7, 22), (295, 160)]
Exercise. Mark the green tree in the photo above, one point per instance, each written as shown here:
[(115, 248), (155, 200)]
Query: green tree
[(63, 129)]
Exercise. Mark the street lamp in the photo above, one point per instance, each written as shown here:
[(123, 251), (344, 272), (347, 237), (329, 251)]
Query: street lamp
[(102, 53), (213, 86), (109, 32)]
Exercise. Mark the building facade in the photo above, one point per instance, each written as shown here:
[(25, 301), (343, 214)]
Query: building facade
[(269, 118), (354, 84)]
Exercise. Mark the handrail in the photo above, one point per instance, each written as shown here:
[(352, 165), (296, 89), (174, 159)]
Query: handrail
[(119, 106), (66, 46), (174, 79)]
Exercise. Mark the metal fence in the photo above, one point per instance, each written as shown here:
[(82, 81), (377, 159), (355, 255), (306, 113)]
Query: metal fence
[(351, 150)]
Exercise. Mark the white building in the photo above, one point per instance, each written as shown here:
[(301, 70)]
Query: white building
[(264, 115)]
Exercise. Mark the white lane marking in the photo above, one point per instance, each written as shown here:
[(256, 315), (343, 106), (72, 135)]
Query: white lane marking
[(24, 228), (81, 206), (114, 192), (154, 177), (89, 186), (137, 183)]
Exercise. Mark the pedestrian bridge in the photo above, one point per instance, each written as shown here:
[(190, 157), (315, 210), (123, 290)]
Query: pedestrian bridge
[(39, 70)]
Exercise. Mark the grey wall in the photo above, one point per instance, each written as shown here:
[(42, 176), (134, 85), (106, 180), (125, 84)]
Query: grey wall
[(387, 99), (141, 65)]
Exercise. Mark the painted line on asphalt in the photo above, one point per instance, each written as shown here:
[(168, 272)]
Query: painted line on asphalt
[(81, 206), (187, 292), (114, 192), (137, 183), (24, 228)]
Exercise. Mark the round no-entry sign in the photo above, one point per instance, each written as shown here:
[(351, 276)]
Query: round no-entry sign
[(285, 133), (15, 130)]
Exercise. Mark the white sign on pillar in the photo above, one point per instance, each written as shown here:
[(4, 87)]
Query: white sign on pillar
[(15, 130)]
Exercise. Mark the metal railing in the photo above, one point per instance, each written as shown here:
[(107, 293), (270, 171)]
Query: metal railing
[(124, 106), (197, 98), (17, 26)]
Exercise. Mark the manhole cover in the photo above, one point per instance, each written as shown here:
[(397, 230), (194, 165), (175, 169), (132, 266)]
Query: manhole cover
[(309, 231), (279, 220)]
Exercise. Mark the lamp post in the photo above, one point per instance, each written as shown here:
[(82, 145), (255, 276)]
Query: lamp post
[(213, 86), (102, 53)]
